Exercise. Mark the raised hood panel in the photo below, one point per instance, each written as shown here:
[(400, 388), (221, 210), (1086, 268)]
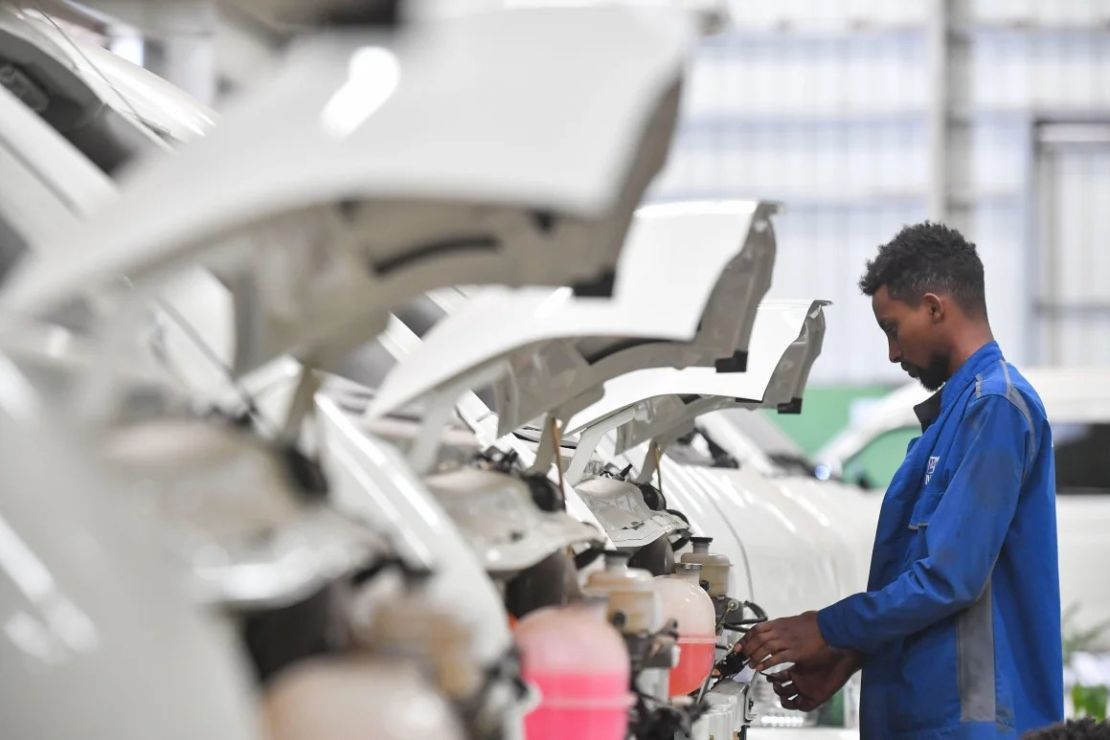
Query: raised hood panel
[(376, 167), (551, 350), (787, 339)]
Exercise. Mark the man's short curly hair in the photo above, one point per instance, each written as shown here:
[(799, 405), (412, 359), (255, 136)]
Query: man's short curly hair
[(928, 258), (1083, 729)]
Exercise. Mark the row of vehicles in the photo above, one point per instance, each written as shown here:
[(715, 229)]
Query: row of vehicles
[(377, 405)]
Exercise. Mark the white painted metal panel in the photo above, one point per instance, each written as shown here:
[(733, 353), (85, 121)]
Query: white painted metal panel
[(1073, 291), (824, 106)]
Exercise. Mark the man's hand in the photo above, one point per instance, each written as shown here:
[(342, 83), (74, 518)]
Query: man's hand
[(789, 640), (806, 686)]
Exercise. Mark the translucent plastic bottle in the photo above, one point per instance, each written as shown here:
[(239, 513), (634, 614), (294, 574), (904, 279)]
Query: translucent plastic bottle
[(580, 666), (630, 592), (684, 600), (353, 698), (715, 568), (407, 628)]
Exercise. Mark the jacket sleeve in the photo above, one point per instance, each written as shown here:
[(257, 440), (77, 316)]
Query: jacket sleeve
[(963, 536)]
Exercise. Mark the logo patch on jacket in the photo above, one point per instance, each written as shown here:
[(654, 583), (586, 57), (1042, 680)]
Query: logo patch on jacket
[(932, 467)]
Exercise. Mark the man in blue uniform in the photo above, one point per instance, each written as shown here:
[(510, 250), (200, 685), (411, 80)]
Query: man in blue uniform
[(958, 634)]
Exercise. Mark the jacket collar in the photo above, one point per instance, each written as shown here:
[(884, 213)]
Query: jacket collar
[(931, 408)]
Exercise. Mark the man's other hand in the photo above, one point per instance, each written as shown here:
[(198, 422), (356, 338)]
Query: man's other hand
[(806, 686), (788, 640)]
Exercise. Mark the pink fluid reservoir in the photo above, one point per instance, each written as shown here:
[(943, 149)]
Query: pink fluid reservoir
[(579, 664), (685, 601)]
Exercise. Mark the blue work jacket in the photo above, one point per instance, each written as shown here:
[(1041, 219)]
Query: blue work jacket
[(959, 630)]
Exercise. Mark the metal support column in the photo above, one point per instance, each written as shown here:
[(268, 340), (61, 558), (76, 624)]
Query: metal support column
[(937, 55)]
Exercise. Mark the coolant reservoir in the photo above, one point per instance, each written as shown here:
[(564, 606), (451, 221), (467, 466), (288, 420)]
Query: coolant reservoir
[(630, 592), (715, 568), (354, 699), (684, 600), (580, 666)]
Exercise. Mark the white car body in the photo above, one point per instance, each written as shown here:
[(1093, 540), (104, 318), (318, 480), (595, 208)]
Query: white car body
[(787, 556), (788, 337), (540, 355), (96, 616), (850, 510), (556, 350), (555, 229), (786, 531), (1073, 398), (441, 161), (592, 210)]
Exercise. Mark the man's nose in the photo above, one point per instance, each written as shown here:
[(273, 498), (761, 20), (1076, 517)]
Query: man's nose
[(894, 352)]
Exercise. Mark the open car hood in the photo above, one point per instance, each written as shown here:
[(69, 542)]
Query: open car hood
[(645, 404), (552, 351), (376, 167)]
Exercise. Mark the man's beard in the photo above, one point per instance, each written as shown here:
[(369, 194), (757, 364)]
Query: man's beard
[(933, 376)]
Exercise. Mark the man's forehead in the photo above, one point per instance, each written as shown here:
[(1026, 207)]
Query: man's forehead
[(884, 304), (881, 303)]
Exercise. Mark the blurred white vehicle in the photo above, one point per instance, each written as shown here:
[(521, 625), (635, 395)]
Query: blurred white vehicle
[(552, 352), (788, 562), (374, 212), (1077, 401), (281, 568), (97, 617), (588, 212), (751, 438), (800, 560), (388, 143), (797, 562)]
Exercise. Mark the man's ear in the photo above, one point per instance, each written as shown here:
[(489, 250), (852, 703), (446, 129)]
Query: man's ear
[(935, 305)]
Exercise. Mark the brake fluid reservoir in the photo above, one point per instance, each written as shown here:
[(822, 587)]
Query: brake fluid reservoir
[(580, 666), (715, 568), (684, 600), (630, 593)]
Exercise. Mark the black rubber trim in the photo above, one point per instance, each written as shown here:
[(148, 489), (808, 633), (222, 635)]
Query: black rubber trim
[(738, 363), (379, 13), (794, 407), (600, 288), (620, 346), (483, 243)]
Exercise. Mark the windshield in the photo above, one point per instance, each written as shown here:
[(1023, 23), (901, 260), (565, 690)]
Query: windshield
[(1082, 465), (874, 465)]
